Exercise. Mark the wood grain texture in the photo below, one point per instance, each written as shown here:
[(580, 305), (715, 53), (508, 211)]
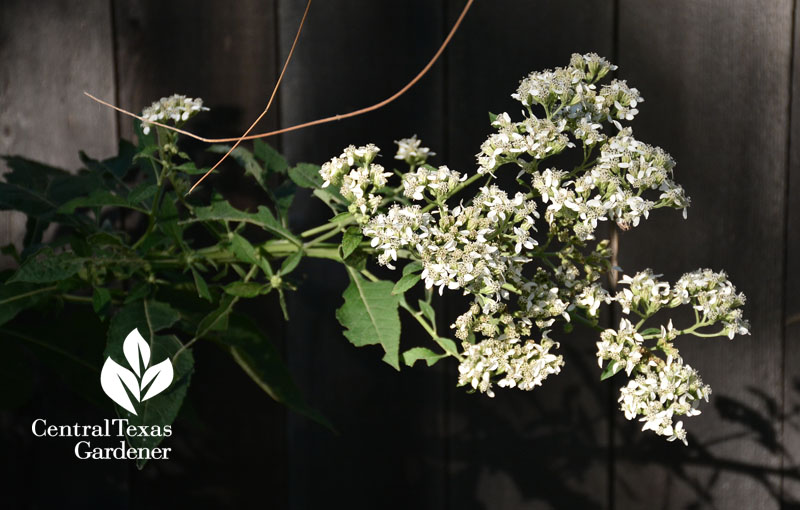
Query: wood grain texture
[(49, 56), (546, 448), (389, 453), (791, 355), (715, 78)]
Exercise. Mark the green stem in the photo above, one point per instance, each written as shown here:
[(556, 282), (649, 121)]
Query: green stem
[(456, 190), (427, 327)]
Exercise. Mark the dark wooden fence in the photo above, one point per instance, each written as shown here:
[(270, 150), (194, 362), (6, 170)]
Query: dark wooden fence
[(719, 78)]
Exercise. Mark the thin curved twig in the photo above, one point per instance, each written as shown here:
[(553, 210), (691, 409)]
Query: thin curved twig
[(314, 122)]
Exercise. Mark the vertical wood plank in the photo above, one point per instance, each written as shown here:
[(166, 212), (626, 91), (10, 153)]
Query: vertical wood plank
[(715, 77), (791, 358), (546, 448), (50, 55), (388, 453)]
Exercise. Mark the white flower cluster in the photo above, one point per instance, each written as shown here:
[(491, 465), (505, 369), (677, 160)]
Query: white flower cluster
[(177, 108), (438, 182), (512, 364), (452, 244), (622, 347), (661, 391), (537, 138), (411, 151), (357, 178), (645, 293), (715, 298)]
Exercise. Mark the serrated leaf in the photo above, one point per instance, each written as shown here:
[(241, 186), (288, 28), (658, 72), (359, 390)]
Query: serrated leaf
[(427, 311), (611, 369), (259, 359), (405, 283), (189, 168), (221, 210), (245, 289), (99, 198), (246, 160), (201, 285), (306, 175), (273, 161), (149, 317), (412, 267), (350, 240), (369, 314), (411, 356), (46, 267)]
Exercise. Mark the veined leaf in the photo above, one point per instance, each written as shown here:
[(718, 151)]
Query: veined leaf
[(306, 175), (427, 311), (99, 198), (46, 266), (201, 285), (273, 161), (15, 297), (246, 160), (290, 262), (370, 315), (221, 210), (405, 283), (350, 240), (412, 267), (259, 359)]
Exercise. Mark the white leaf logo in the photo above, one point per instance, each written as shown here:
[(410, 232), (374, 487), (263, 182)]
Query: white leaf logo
[(117, 381)]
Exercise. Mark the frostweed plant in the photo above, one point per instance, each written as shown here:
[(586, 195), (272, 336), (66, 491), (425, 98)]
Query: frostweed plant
[(529, 257), (524, 246)]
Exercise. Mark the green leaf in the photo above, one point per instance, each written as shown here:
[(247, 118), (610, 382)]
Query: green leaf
[(448, 345), (283, 197), (492, 117), (246, 160), (370, 315), (412, 267), (427, 311), (273, 161), (306, 175), (260, 360), (101, 297), (145, 191), (189, 168), (611, 369), (218, 319), (15, 297), (342, 217), (246, 252), (650, 331), (221, 210), (246, 289), (46, 266), (350, 240), (290, 262), (99, 198), (405, 283), (202, 287), (411, 356), (149, 317), (168, 219)]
